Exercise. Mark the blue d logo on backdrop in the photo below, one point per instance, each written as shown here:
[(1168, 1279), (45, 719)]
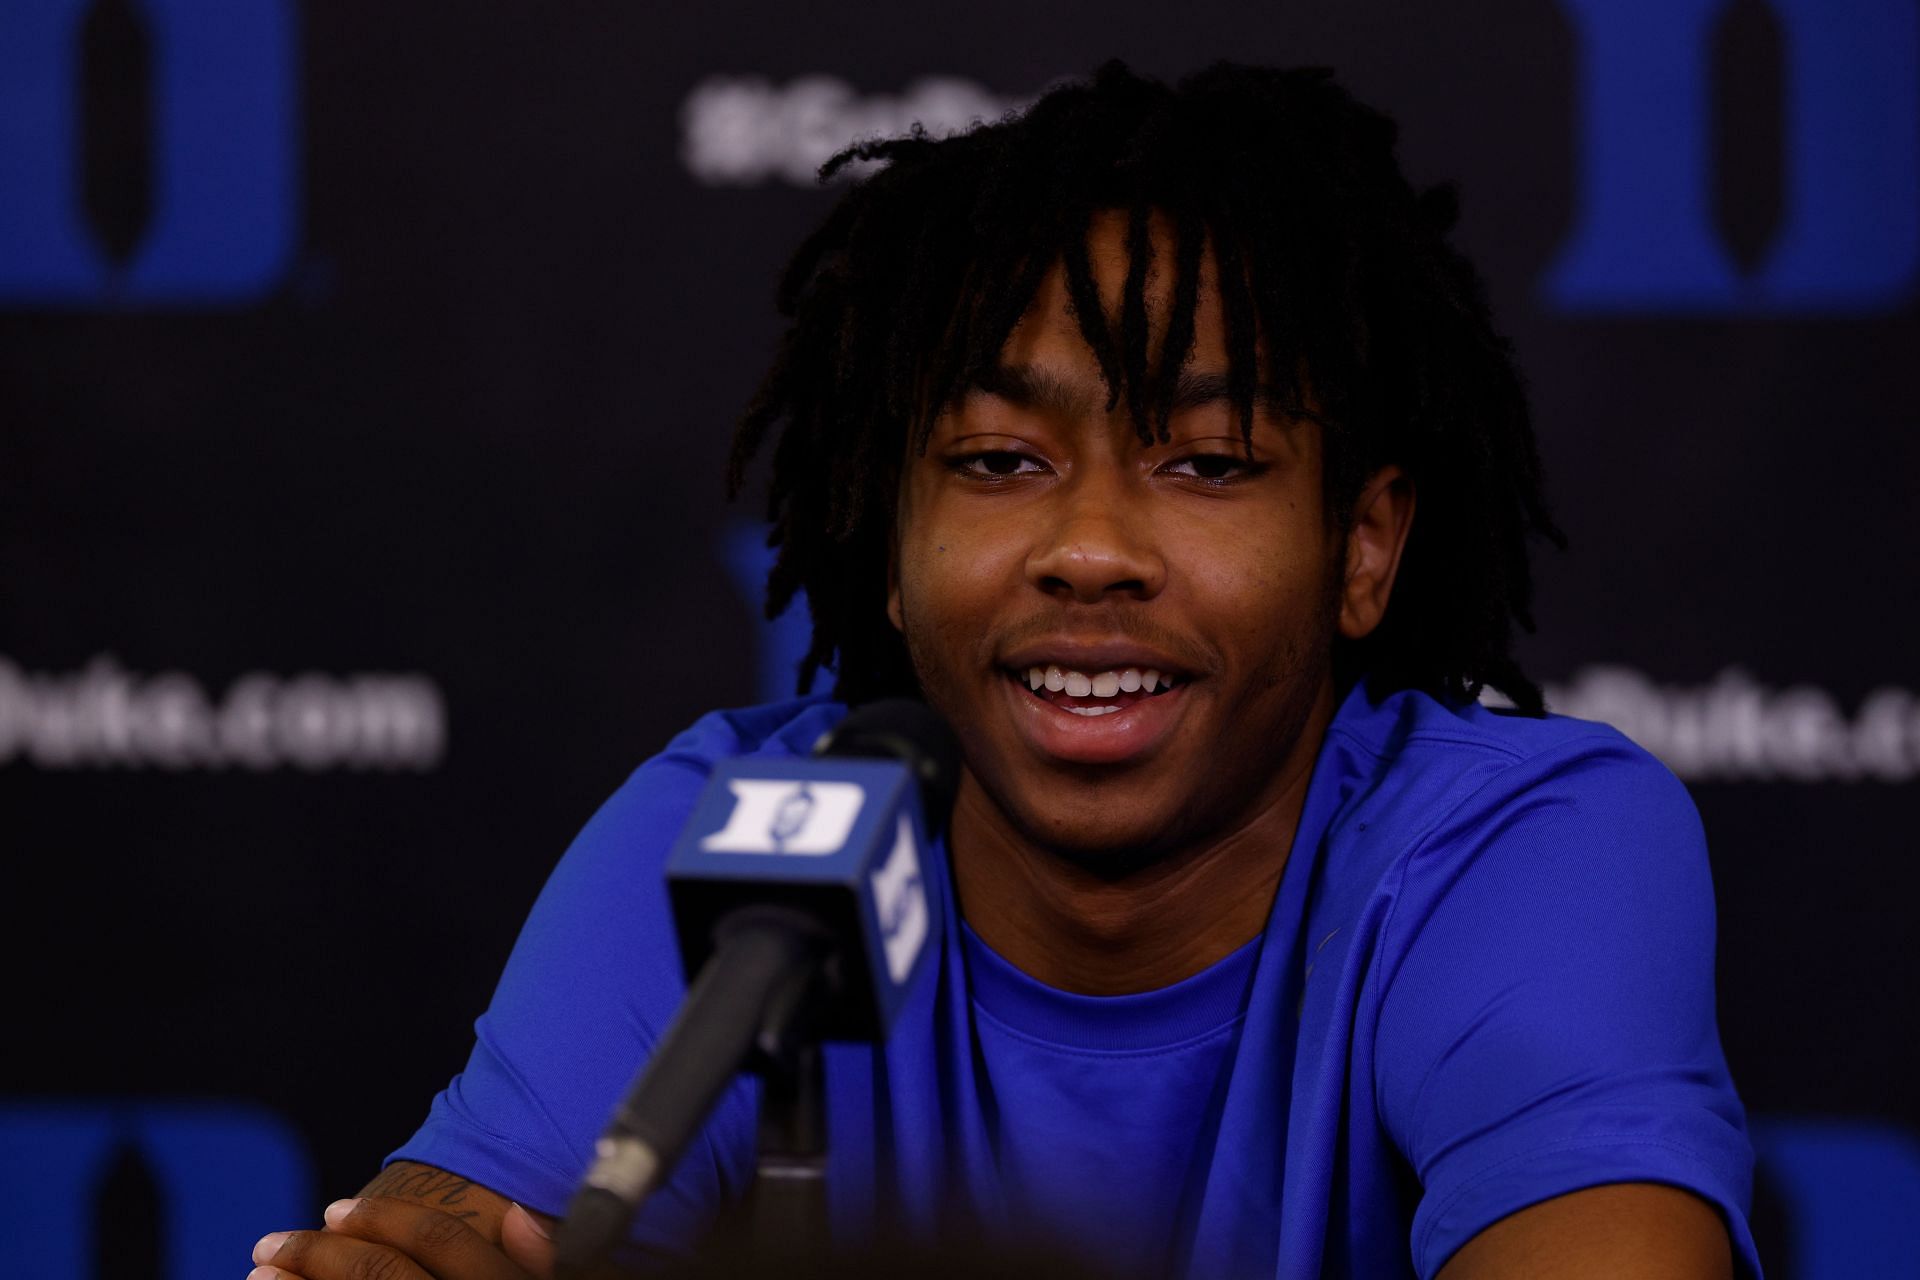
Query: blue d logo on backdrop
[(219, 1174), (212, 141), (1644, 241)]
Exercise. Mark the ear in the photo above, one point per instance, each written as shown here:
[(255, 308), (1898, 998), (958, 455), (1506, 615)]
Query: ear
[(1382, 515)]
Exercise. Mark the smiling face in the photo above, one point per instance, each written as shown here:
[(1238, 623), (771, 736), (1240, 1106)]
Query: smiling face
[(1040, 542)]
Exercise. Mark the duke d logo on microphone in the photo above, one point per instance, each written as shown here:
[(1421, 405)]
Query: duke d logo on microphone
[(811, 818)]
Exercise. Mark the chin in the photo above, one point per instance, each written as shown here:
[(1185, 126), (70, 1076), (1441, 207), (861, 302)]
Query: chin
[(1095, 836)]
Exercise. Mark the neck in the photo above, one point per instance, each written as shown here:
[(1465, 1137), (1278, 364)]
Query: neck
[(1071, 928)]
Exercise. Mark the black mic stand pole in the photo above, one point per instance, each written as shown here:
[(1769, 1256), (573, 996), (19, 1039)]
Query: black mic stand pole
[(787, 1206), (758, 1000)]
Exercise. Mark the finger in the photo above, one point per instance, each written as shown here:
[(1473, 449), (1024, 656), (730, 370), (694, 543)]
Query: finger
[(323, 1255), (528, 1241), (438, 1244)]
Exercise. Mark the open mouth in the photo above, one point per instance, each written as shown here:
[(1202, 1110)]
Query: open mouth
[(1095, 693)]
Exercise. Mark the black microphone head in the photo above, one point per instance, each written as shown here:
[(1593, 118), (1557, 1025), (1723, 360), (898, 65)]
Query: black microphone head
[(910, 732)]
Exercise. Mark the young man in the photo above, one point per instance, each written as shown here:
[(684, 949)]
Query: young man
[(1159, 440)]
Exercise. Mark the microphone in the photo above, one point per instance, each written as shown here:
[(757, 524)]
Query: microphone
[(799, 900)]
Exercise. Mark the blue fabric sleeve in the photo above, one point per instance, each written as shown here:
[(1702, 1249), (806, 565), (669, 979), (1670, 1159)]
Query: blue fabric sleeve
[(1547, 1022), (593, 981)]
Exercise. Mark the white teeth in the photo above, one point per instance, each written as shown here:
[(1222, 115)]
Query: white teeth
[(1102, 684), (1092, 711)]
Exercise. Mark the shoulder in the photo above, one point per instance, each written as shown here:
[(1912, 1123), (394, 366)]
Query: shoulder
[(1498, 821), (1433, 772), (636, 827), (1411, 728), (1537, 842), (786, 728)]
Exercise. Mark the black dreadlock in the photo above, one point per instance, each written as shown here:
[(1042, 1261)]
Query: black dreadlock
[(1326, 255)]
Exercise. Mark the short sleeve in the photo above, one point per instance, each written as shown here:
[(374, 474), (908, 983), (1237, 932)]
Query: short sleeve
[(593, 981), (1548, 1022)]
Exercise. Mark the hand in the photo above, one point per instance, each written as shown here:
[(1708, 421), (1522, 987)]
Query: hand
[(377, 1236)]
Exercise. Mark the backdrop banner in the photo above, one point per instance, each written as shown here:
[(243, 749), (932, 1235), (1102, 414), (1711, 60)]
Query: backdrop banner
[(366, 378)]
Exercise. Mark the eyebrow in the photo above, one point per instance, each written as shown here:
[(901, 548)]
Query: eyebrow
[(1030, 387)]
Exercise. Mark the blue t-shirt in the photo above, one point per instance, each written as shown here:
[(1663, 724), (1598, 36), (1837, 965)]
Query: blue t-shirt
[(1487, 980), (1103, 1109)]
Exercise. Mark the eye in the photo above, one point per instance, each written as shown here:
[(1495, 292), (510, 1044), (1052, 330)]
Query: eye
[(1214, 468), (997, 464)]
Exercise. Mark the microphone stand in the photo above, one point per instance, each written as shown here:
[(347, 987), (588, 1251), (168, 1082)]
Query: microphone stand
[(786, 1209), (761, 998)]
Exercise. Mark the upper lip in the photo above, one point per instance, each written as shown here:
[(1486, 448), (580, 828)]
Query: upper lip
[(1084, 657)]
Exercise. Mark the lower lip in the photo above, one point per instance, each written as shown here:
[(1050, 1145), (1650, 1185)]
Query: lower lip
[(1114, 738)]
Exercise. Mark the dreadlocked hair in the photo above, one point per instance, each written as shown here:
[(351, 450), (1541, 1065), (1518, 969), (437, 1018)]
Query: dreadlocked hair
[(1329, 263)]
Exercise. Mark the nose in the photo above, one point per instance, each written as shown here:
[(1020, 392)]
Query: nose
[(1098, 543)]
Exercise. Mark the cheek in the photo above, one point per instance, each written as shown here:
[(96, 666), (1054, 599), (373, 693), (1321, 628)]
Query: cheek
[(944, 605), (1251, 551), (1266, 596), (949, 603), (956, 565)]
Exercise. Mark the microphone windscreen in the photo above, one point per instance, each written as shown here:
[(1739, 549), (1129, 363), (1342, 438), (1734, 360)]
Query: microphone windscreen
[(908, 731)]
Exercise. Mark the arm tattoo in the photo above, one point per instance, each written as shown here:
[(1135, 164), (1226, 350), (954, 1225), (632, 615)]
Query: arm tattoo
[(444, 1191)]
